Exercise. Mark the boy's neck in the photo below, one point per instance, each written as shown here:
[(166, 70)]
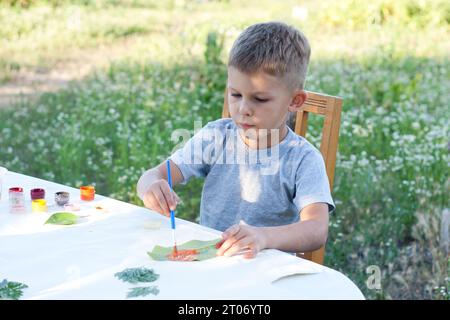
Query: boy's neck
[(267, 142)]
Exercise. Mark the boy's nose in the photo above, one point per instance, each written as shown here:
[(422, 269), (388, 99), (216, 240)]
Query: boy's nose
[(244, 109)]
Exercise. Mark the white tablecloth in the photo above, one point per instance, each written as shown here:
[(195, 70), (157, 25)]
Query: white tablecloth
[(79, 261)]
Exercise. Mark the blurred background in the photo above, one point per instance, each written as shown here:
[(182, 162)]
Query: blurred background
[(90, 92)]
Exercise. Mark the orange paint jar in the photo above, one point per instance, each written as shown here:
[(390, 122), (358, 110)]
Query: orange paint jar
[(87, 193)]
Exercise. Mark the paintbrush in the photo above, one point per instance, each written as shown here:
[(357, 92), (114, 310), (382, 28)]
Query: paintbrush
[(172, 213)]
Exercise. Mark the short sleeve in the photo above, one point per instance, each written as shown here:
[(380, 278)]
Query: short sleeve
[(311, 181), (194, 158)]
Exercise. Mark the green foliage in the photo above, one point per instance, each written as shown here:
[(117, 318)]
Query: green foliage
[(139, 275), (214, 48), (136, 275), (142, 291), (442, 292), (10, 290), (416, 13)]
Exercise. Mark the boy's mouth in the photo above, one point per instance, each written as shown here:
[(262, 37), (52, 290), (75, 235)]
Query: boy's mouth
[(246, 126)]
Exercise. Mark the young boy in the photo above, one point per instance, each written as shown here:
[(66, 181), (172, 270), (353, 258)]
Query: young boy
[(265, 186)]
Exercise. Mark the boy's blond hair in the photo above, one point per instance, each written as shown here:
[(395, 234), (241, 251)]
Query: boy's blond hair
[(275, 48)]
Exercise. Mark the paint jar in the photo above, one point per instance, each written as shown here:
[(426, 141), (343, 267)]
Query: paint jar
[(87, 193), (62, 198), (39, 205), (16, 200), (37, 193)]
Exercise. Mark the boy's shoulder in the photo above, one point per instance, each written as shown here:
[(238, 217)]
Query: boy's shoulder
[(299, 144)]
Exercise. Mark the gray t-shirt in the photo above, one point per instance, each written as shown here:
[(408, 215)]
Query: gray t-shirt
[(267, 187)]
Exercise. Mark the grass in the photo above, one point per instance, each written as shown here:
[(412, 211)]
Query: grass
[(48, 32), (391, 182)]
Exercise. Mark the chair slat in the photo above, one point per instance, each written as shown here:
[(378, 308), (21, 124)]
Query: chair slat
[(314, 109)]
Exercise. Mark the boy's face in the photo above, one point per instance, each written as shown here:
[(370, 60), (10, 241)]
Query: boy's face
[(260, 101)]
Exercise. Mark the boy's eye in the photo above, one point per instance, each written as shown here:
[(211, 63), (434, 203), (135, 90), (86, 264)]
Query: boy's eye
[(238, 95)]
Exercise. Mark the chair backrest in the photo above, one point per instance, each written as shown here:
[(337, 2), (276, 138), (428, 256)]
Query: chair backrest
[(330, 107)]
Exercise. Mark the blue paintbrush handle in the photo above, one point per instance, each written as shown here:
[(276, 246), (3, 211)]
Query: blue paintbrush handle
[(169, 176)]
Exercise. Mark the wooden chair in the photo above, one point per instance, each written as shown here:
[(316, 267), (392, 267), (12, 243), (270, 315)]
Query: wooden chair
[(330, 107)]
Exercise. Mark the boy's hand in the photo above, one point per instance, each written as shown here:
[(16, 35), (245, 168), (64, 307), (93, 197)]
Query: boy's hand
[(242, 237), (160, 198)]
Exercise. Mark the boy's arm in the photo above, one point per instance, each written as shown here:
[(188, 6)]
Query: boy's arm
[(306, 235), (153, 188)]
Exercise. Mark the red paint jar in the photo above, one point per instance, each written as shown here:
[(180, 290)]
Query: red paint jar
[(16, 200), (87, 193), (37, 193)]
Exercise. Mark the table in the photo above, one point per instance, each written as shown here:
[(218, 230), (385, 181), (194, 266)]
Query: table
[(79, 261)]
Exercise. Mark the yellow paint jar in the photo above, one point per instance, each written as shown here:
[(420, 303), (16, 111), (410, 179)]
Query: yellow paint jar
[(39, 205)]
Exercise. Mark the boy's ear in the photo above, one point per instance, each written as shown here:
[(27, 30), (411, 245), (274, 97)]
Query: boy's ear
[(297, 100)]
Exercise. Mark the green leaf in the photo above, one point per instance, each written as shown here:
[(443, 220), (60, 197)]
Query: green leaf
[(10, 290), (206, 249), (142, 291), (63, 218), (135, 275)]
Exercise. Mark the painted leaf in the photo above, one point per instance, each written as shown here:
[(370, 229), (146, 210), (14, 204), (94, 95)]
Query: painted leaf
[(63, 218), (194, 250)]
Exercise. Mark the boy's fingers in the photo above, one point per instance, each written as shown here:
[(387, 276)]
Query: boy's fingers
[(168, 195), (156, 205), (148, 200), (151, 202), (251, 253), (231, 231), (242, 223), (177, 198), (229, 237), (238, 246), (219, 243), (228, 243), (161, 200)]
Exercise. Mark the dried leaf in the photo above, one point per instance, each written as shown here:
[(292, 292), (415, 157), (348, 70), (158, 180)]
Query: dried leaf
[(62, 218), (10, 290), (136, 275), (142, 291)]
